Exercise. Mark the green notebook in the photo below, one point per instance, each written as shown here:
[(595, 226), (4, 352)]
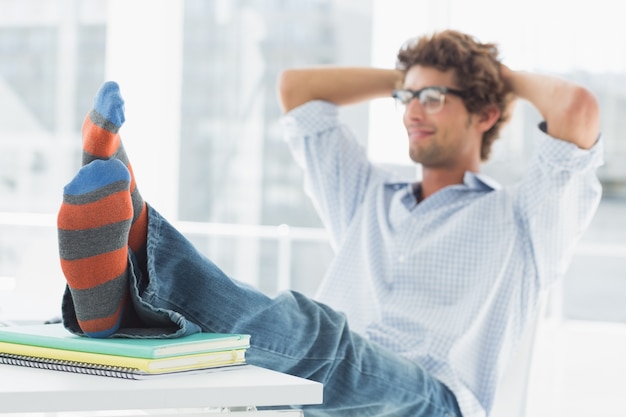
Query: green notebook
[(57, 337)]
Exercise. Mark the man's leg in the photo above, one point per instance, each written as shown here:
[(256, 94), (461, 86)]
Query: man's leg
[(290, 333)]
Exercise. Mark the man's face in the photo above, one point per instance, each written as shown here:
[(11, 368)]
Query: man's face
[(447, 137)]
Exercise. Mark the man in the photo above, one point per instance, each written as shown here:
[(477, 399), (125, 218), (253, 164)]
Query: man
[(437, 279), (446, 271)]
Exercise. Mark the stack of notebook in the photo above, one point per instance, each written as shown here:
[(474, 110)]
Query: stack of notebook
[(51, 346)]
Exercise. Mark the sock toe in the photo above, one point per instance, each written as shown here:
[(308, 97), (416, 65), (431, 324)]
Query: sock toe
[(97, 174), (109, 103)]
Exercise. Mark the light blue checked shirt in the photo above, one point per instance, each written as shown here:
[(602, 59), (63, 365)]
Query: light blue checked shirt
[(450, 282)]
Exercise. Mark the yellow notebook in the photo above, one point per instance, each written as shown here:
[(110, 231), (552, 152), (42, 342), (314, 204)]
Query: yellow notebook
[(111, 365)]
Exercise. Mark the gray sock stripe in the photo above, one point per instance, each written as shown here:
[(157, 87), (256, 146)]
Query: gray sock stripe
[(80, 244), (97, 194), (119, 154), (100, 301), (137, 203), (98, 120)]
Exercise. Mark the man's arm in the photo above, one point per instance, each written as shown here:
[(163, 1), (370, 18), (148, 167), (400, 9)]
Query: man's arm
[(338, 85), (570, 111)]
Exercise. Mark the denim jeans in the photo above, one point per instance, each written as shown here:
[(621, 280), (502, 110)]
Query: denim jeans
[(291, 333)]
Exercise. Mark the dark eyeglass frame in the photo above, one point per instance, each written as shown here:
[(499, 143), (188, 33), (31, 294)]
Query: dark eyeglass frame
[(400, 95)]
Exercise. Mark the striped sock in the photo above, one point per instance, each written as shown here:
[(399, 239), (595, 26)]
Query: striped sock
[(102, 141), (93, 226)]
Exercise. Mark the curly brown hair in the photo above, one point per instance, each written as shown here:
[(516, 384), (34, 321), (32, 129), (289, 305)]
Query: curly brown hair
[(477, 72)]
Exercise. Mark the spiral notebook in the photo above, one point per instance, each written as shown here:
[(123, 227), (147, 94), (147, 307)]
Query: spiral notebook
[(107, 370), (40, 347)]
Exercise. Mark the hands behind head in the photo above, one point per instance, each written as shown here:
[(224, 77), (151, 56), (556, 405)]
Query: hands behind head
[(506, 75)]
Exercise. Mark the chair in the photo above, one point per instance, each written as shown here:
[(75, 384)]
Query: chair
[(512, 394)]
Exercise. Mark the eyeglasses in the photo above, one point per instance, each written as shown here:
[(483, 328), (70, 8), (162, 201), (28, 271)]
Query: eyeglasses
[(431, 98)]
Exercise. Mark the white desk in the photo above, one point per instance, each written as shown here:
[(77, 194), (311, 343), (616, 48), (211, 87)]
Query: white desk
[(25, 389)]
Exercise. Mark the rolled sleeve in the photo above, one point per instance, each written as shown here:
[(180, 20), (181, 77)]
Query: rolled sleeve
[(562, 155), (310, 118)]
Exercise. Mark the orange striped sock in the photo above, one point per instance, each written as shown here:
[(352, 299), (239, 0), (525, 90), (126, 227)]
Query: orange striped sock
[(93, 226), (101, 140)]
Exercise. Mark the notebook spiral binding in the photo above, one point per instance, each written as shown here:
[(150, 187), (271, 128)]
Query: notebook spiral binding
[(69, 366)]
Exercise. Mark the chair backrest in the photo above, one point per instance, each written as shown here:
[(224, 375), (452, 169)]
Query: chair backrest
[(512, 395)]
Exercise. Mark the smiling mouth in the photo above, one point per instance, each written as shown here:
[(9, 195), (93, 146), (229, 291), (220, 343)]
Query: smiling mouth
[(420, 133)]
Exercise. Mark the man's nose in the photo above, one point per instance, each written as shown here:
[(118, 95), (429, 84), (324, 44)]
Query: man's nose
[(414, 109)]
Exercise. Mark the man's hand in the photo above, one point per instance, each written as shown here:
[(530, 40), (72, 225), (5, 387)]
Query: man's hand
[(570, 110)]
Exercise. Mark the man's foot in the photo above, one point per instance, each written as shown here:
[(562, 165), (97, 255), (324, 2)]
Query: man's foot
[(93, 226), (101, 140)]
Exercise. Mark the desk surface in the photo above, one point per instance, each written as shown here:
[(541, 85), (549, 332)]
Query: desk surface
[(25, 389)]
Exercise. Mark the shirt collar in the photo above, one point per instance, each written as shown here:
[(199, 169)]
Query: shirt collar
[(477, 181), (472, 180)]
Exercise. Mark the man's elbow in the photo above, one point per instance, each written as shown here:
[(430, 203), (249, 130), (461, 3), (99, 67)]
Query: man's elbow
[(584, 105), (584, 108), (579, 119), (289, 90)]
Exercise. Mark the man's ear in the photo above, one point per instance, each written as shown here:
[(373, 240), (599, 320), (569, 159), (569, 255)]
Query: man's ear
[(488, 116)]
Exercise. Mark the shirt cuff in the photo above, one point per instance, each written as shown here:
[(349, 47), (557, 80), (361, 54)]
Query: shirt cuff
[(564, 155)]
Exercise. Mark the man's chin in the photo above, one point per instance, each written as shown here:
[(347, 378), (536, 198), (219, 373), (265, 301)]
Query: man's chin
[(418, 157)]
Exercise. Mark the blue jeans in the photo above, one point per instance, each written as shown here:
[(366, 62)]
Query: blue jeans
[(290, 333)]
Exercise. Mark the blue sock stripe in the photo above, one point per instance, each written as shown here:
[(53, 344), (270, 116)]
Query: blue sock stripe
[(97, 174), (97, 194)]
